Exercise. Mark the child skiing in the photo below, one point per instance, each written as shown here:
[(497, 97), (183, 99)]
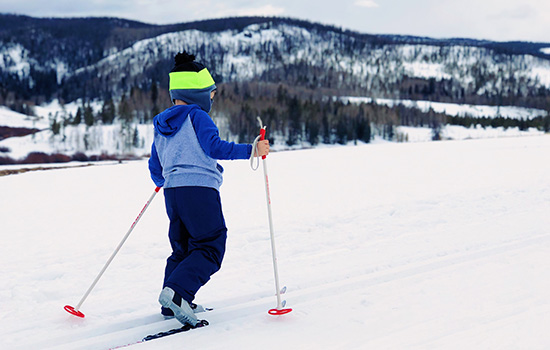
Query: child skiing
[(183, 160)]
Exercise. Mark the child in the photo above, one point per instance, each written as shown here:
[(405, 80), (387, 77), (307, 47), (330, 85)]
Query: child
[(183, 161)]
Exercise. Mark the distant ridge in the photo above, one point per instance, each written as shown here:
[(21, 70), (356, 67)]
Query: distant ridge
[(46, 58)]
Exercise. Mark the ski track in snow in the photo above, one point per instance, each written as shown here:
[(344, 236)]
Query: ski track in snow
[(440, 245)]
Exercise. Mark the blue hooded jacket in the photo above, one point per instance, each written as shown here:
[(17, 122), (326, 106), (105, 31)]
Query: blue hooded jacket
[(186, 147)]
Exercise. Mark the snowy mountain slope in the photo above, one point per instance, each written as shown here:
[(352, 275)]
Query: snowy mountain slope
[(14, 59), (124, 54), (403, 246), (127, 61), (265, 51), (17, 120)]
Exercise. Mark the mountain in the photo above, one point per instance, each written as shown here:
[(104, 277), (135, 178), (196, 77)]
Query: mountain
[(311, 83), (44, 58)]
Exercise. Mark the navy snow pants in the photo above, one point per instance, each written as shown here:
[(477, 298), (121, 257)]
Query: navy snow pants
[(197, 235)]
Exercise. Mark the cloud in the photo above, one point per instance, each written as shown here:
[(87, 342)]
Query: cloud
[(267, 10), (519, 12), (366, 3), (221, 9)]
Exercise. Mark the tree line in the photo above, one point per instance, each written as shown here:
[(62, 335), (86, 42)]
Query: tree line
[(296, 115)]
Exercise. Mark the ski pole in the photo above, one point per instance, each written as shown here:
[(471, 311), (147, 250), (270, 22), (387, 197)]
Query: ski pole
[(76, 310), (280, 304)]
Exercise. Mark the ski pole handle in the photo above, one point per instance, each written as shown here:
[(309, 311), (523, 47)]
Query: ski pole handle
[(262, 137)]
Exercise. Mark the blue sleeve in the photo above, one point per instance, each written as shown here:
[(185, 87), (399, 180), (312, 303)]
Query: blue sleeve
[(155, 168), (210, 141)]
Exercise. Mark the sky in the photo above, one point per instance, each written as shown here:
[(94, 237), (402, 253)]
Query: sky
[(499, 20)]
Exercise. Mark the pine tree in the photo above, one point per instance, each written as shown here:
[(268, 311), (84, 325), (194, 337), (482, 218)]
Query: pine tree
[(312, 131), (124, 110), (78, 117), (55, 127), (342, 131), (88, 115), (294, 121), (154, 98), (108, 112), (154, 93), (363, 130), (546, 123), (135, 140)]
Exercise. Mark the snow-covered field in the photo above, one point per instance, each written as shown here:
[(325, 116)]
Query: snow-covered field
[(456, 109), (458, 132), (17, 120), (438, 245)]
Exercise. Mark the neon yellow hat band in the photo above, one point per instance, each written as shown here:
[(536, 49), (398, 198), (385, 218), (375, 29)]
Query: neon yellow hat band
[(191, 80)]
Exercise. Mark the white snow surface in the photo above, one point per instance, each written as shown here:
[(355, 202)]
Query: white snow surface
[(429, 245), (457, 132), (456, 109), (17, 120)]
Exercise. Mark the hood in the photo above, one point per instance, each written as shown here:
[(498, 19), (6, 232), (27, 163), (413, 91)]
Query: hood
[(169, 122)]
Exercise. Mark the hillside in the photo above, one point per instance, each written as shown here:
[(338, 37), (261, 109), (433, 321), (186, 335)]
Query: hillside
[(95, 57), (110, 73)]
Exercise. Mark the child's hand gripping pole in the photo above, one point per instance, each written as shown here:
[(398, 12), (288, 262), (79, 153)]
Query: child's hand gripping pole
[(259, 148), (262, 135), (280, 303)]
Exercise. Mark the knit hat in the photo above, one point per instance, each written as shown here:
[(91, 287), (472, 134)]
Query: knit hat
[(191, 82)]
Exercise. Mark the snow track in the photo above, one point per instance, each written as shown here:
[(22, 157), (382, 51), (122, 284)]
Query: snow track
[(412, 246), (415, 270)]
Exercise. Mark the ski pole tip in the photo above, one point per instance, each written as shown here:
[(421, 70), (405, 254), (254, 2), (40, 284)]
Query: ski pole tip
[(279, 312), (73, 311)]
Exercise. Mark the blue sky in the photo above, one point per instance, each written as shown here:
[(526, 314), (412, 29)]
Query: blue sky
[(501, 20)]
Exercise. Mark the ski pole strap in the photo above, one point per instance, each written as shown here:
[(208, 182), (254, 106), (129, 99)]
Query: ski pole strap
[(255, 153)]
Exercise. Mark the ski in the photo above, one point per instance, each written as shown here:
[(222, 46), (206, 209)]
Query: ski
[(186, 328)]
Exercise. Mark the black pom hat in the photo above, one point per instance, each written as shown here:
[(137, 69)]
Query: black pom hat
[(191, 82)]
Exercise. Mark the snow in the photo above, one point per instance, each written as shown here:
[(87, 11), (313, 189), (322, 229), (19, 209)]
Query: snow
[(54, 108), (109, 139), (43, 114), (545, 50), (455, 109), (256, 49), (428, 245), (456, 132), (94, 140), (14, 59), (17, 120), (541, 73)]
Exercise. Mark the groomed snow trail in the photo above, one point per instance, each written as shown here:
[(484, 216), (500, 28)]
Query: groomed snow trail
[(439, 245)]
